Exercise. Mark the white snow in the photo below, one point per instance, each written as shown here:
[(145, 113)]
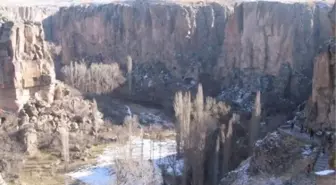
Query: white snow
[(325, 172), (161, 152), (154, 150), (306, 151), (129, 112), (95, 176)]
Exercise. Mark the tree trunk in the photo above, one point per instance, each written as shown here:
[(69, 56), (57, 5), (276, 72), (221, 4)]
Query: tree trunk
[(215, 160), (222, 145)]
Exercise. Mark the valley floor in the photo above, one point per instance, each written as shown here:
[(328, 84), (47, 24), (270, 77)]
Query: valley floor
[(162, 153)]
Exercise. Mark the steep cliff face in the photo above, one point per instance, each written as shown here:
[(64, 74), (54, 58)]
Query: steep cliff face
[(232, 50), (25, 67), (323, 101), (254, 45)]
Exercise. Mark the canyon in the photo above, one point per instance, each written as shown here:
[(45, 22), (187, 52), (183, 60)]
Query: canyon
[(249, 46), (283, 49)]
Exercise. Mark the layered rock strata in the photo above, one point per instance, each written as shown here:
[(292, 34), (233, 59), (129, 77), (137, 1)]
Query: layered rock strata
[(267, 46), (253, 45), (26, 69)]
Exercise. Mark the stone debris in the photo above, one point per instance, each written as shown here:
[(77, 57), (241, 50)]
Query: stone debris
[(39, 122)]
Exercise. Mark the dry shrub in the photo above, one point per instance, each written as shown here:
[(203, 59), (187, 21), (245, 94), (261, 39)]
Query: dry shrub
[(142, 172), (97, 78)]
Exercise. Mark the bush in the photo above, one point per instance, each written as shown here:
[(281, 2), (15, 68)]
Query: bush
[(97, 78)]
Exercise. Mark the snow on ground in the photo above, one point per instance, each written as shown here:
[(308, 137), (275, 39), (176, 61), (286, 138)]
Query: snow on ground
[(161, 152), (95, 176), (151, 150), (325, 172)]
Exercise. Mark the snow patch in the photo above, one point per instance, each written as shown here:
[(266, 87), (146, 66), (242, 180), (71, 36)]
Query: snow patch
[(306, 151), (325, 172), (161, 152), (95, 176)]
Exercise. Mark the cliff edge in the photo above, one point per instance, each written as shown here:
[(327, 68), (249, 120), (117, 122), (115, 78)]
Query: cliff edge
[(26, 69)]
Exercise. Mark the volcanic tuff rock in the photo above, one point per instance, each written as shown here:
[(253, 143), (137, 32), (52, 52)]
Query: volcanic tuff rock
[(26, 68), (323, 101), (252, 45)]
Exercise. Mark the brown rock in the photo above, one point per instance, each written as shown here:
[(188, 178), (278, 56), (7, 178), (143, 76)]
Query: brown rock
[(324, 84), (20, 74)]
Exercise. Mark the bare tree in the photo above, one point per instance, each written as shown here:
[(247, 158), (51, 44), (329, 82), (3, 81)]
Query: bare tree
[(97, 78), (214, 179), (97, 117), (178, 108), (129, 73), (142, 143), (254, 122), (193, 136), (228, 143), (131, 122), (198, 135), (64, 133)]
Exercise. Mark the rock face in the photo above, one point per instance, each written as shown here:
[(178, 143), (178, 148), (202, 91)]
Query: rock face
[(277, 159), (323, 101), (25, 67), (267, 46), (254, 45)]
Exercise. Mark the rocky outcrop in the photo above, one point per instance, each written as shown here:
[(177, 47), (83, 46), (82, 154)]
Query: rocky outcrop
[(26, 68), (277, 159), (322, 105), (40, 123)]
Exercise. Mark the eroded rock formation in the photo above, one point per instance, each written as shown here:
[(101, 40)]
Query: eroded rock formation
[(26, 68), (322, 105), (254, 45), (40, 123), (267, 46)]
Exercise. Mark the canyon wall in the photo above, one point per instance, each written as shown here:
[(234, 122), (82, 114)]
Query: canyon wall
[(26, 68), (322, 105), (253, 45), (234, 50)]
